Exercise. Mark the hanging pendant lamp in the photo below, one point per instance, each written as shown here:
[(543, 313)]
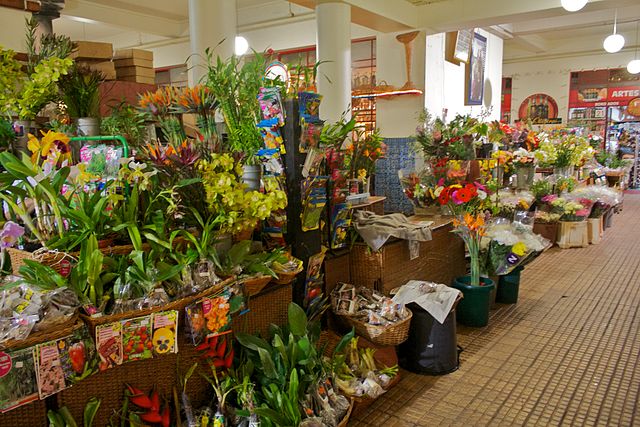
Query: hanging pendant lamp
[(614, 42)]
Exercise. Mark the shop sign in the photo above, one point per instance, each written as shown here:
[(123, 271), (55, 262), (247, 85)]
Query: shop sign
[(602, 96), (539, 108), (634, 107)]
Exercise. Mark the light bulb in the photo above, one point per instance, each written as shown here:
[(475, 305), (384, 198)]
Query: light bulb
[(573, 5), (633, 67), (613, 43), (242, 46)]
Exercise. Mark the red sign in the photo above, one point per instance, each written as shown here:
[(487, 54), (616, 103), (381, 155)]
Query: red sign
[(5, 364), (539, 108), (602, 97), (634, 107)]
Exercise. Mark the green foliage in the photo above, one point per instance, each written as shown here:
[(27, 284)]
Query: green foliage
[(7, 135), (90, 277), (335, 134), (41, 276), (40, 87), (48, 46), (127, 121), (235, 85), (541, 188), (81, 91)]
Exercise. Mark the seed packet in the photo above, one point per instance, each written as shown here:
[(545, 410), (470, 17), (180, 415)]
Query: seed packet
[(217, 315), (312, 162), (18, 379), (312, 213), (109, 344), (165, 326), (77, 356), (270, 102), (136, 339), (271, 162), (309, 106), (49, 369), (195, 329), (340, 223), (309, 135), (271, 136)]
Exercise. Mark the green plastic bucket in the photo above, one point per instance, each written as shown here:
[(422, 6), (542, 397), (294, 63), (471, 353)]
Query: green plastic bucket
[(508, 286), (473, 310)]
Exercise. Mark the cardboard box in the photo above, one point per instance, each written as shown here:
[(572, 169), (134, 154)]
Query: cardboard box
[(107, 68), (135, 71), (134, 53), (131, 62), (138, 79), (92, 51)]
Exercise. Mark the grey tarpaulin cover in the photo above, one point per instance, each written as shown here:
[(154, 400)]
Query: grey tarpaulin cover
[(436, 299), (375, 230)]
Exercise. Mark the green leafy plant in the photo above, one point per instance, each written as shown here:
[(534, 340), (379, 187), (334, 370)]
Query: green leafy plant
[(81, 91), (93, 272), (63, 418), (235, 85), (125, 120), (240, 260), (7, 135), (541, 188), (41, 276), (46, 46)]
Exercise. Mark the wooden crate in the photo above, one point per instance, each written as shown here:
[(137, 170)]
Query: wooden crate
[(573, 234), (92, 51), (440, 260), (595, 230), (107, 68), (134, 53), (133, 62), (135, 71)]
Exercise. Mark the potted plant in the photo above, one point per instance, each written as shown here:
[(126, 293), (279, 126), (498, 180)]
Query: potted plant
[(235, 86), (615, 167), (80, 90), (467, 203), (525, 166), (25, 93), (125, 120)]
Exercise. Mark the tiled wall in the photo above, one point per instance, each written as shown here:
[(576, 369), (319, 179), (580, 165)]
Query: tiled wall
[(400, 155)]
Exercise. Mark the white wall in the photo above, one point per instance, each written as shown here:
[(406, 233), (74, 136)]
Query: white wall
[(12, 29), (445, 81), (397, 117), (551, 76)]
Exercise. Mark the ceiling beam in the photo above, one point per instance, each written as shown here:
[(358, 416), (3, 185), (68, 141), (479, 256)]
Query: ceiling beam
[(126, 18), (531, 42)]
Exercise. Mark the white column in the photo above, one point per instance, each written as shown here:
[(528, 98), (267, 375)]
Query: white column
[(212, 24), (333, 20)]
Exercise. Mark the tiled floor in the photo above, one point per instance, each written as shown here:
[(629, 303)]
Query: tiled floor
[(566, 354)]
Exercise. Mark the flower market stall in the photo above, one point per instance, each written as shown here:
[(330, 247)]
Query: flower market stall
[(184, 277)]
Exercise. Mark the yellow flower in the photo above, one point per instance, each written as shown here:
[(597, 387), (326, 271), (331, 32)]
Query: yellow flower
[(52, 144), (519, 249)]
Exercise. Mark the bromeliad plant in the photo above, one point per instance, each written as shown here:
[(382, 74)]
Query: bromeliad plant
[(161, 105)]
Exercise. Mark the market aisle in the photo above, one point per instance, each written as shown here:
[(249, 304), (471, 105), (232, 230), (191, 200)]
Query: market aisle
[(566, 354)]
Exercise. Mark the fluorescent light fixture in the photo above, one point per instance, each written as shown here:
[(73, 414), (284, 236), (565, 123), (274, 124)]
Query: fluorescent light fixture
[(80, 19), (573, 5), (242, 46)]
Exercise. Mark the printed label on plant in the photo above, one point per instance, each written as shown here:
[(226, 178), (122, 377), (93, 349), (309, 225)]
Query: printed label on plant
[(136, 339), (165, 325), (5, 364)]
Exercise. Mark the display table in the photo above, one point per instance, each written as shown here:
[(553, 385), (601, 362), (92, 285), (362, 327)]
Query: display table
[(439, 260)]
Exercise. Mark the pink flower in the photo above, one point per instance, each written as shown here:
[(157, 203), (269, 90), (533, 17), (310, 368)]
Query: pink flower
[(455, 198), (582, 212), (441, 182), (480, 186), (549, 198), (9, 234)]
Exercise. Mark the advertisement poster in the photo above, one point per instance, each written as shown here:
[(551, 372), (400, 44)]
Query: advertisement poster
[(539, 109), (475, 71)]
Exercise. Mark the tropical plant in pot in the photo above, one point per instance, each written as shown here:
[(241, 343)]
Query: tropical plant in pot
[(80, 90), (468, 202), (235, 84), (125, 120)]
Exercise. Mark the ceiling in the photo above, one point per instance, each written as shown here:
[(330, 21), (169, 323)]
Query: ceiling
[(530, 28)]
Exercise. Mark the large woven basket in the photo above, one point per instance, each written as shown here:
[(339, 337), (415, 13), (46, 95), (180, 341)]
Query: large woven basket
[(392, 335), (253, 285), (53, 331), (270, 306), (179, 304)]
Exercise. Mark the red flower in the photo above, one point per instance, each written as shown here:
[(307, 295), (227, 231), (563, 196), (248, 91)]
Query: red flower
[(472, 189), (443, 198), (464, 195)]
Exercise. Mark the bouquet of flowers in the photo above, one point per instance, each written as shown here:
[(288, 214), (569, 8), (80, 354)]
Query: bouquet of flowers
[(508, 246), (419, 187), (467, 202), (523, 158), (454, 140), (568, 210)]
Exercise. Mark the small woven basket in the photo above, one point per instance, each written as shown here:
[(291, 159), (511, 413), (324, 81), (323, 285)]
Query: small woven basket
[(253, 285), (52, 332), (49, 258), (391, 335)]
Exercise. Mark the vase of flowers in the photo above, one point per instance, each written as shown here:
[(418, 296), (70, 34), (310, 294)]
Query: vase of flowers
[(467, 202), (525, 167)]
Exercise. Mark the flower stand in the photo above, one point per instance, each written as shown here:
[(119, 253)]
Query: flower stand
[(473, 310), (594, 230), (573, 234)]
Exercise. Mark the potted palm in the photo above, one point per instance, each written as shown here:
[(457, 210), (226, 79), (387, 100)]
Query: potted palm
[(81, 94), (467, 203)]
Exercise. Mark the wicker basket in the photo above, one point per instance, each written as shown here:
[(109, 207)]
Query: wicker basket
[(392, 335), (253, 285), (51, 259), (286, 278), (268, 307), (32, 414), (345, 419), (93, 321), (53, 331)]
